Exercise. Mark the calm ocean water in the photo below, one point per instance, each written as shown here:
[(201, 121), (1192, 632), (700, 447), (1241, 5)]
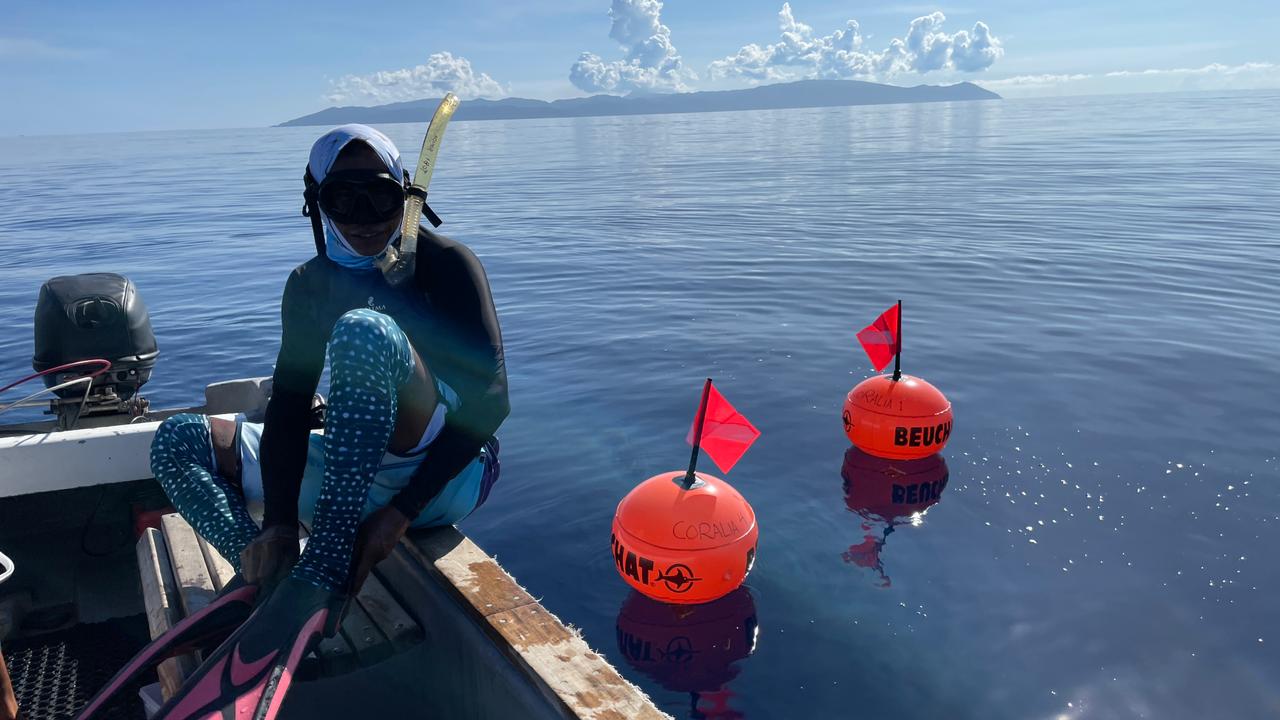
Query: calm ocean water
[(1092, 281)]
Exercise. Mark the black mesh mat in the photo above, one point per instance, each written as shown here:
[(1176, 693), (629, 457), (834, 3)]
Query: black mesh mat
[(56, 673)]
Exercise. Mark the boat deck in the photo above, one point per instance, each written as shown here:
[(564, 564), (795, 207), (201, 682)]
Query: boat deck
[(440, 629)]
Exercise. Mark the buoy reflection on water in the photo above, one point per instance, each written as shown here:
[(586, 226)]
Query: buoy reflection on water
[(885, 494), (694, 649)]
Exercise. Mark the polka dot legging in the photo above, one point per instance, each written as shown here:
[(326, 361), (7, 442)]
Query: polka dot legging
[(182, 461), (369, 360)]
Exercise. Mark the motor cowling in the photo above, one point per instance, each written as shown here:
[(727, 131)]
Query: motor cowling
[(95, 316)]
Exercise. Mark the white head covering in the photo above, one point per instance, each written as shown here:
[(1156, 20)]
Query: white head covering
[(323, 153)]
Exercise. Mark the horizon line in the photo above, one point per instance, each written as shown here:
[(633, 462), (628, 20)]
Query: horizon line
[(280, 127)]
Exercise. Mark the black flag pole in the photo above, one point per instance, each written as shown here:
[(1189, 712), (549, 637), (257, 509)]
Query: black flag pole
[(897, 358), (689, 477)]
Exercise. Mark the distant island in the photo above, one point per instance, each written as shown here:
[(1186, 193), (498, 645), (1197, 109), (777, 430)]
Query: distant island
[(799, 94)]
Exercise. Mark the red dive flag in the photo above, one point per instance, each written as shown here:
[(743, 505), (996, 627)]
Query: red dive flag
[(726, 433), (880, 338)]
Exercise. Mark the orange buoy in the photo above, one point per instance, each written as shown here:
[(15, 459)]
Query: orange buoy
[(682, 545), (898, 420)]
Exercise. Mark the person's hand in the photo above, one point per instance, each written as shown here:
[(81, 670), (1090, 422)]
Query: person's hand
[(270, 556), (375, 540)]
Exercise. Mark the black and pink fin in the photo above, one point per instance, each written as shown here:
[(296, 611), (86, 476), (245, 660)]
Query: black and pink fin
[(249, 675), (206, 627)]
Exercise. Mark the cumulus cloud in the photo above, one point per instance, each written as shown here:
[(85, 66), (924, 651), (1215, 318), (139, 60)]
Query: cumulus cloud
[(651, 62), (799, 53), (443, 72)]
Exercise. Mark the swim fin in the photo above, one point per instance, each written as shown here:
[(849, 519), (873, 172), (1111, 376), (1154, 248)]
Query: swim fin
[(206, 627), (249, 674)]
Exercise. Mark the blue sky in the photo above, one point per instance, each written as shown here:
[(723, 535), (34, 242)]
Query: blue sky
[(74, 66)]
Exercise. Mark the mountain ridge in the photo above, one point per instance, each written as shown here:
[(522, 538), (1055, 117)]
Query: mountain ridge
[(797, 94)]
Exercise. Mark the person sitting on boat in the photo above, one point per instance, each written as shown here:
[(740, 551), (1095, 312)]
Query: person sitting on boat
[(417, 389)]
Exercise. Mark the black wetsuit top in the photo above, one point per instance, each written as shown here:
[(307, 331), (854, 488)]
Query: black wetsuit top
[(450, 321)]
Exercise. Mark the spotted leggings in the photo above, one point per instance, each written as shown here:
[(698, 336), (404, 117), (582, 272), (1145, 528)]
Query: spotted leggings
[(369, 360)]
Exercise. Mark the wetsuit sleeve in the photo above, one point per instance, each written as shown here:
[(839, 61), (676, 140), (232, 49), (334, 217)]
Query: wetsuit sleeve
[(470, 332), (283, 450)]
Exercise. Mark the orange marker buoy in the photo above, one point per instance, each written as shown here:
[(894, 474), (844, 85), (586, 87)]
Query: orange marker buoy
[(683, 545), (897, 420)]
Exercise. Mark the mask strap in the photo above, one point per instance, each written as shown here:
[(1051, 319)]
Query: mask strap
[(311, 209), (427, 212)]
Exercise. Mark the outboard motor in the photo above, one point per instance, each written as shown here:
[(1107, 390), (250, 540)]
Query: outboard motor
[(87, 317)]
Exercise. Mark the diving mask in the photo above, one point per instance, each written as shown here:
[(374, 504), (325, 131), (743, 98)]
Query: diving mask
[(360, 197)]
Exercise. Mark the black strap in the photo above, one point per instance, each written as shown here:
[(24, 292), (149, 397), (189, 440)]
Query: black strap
[(427, 212), (311, 209)]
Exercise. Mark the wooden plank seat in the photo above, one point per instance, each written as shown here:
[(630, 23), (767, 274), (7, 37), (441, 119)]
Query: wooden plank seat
[(181, 573)]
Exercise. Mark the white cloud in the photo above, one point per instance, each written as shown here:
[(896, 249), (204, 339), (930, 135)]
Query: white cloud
[(979, 50), (1210, 69), (1214, 76), (652, 62), (442, 73), (30, 49), (1255, 74), (801, 54), (1029, 81)]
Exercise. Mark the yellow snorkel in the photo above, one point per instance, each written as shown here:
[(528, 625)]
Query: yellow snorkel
[(397, 265)]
